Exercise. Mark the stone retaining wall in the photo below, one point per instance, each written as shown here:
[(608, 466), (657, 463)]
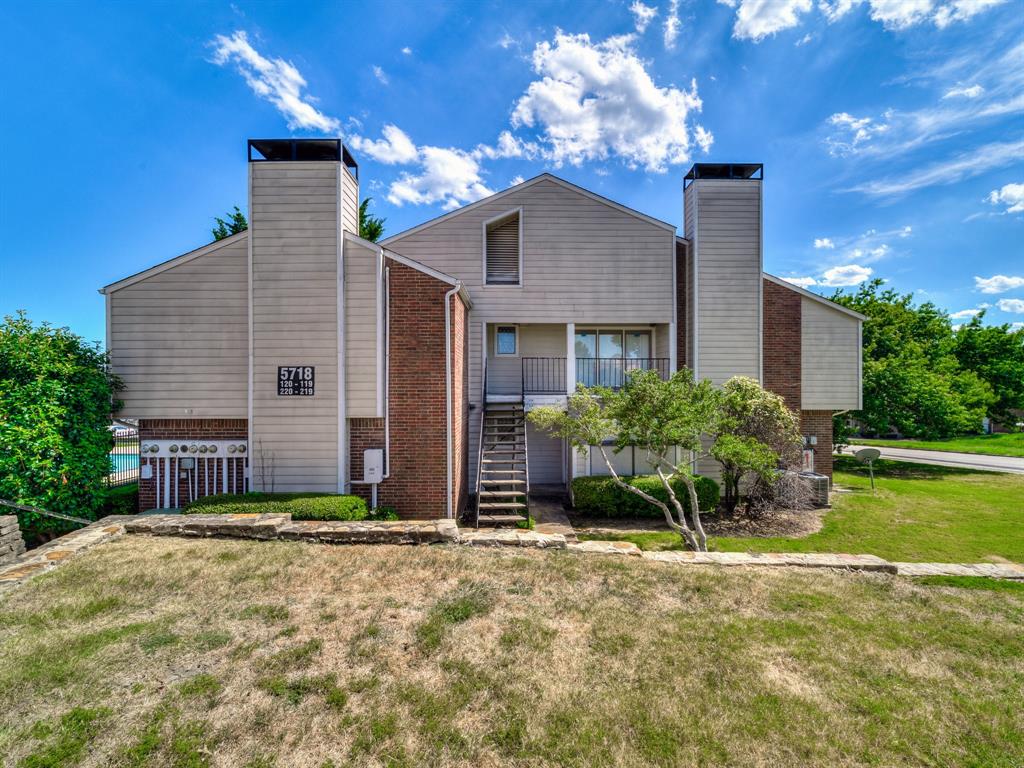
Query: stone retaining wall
[(11, 543)]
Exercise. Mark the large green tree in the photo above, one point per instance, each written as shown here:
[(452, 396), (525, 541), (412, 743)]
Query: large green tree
[(370, 227), (232, 225), (996, 354), (56, 396), (913, 379)]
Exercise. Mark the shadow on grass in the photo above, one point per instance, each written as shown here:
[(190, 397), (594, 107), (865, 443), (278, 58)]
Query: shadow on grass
[(903, 470)]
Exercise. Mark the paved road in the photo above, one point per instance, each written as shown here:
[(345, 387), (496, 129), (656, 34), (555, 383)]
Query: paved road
[(949, 459)]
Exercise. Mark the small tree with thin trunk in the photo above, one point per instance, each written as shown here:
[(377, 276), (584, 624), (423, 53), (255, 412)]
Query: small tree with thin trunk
[(665, 419), (756, 434)]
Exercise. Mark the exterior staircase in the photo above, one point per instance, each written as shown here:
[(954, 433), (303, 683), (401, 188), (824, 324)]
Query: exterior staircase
[(503, 476)]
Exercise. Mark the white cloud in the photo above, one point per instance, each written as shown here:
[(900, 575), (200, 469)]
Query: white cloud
[(757, 19), (704, 138), (276, 80), (846, 275), (380, 74), (642, 15), (962, 166), (507, 146), (506, 41), (448, 176), (804, 40), (1017, 326), (596, 100), (803, 282), (670, 30), (964, 314), (395, 148), (851, 133), (1010, 195), (1011, 305), (407, 51), (998, 283), (961, 92), (952, 110), (824, 242), (516, 181)]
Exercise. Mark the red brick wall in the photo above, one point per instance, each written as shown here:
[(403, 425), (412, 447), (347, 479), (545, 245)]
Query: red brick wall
[(682, 310), (187, 430), (417, 487), (782, 342), (819, 424)]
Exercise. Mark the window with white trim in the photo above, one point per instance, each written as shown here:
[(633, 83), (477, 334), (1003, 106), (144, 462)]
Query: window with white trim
[(502, 250), (506, 341)]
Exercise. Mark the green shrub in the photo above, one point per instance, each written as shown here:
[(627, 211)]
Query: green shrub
[(301, 506), (122, 500), (383, 513), (599, 496)]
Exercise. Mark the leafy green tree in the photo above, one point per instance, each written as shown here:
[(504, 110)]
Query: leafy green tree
[(996, 354), (913, 380), (56, 396), (655, 416), (232, 225), (370, 227), (756, 433)]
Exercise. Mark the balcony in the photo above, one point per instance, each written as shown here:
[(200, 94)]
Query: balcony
[(547, 375)]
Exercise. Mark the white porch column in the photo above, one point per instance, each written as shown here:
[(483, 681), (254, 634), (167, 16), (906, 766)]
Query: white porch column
[(673, 362), (570, 358)]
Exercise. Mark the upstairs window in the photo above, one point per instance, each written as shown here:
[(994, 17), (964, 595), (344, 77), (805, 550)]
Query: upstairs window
[(503, 250)]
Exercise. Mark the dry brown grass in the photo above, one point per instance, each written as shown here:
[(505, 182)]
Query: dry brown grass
[(235, 653)]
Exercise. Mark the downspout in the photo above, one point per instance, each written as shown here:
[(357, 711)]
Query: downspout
[(448, 387), (387, 373)]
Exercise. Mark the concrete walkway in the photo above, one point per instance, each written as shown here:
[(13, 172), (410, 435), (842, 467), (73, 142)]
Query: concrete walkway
[(948, 459)]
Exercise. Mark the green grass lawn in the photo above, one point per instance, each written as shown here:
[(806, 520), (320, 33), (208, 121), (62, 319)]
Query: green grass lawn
[(167, 652), (917, 513), (991, 445)]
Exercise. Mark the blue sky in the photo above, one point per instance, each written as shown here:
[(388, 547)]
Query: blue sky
[(892, 131)]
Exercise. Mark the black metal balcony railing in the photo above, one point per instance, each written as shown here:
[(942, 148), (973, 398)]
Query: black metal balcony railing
[(546, 375), (543, 375)]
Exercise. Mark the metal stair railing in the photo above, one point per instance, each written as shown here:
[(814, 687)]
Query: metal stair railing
[(480, 445)]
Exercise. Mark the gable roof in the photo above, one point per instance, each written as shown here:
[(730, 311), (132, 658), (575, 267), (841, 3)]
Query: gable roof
[(183, 259), (811, 295), (525, 185)]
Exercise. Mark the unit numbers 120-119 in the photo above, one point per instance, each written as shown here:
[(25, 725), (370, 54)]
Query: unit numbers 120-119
[(295, 380)]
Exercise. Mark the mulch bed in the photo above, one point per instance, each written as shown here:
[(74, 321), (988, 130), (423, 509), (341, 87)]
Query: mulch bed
[(782, 522)]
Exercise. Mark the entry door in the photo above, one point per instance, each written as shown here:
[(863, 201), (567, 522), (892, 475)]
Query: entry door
[(609, 353), (638, 350)]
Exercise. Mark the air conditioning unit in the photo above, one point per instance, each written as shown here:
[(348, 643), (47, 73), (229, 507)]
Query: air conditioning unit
[(819, 486)]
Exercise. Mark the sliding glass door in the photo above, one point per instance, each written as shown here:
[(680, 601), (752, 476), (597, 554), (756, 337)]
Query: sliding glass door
[(604, 356)]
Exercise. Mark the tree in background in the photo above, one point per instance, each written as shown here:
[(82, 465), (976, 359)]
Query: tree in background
[(756, 433), (56, 396), (235, 223), (996, 354), (913, 379), (370, 227)]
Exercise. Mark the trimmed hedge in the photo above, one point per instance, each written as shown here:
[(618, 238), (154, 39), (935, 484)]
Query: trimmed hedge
[(301, 506), (122, 500), (599, 496)]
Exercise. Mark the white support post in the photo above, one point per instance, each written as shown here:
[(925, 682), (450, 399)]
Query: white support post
[(570, 358)]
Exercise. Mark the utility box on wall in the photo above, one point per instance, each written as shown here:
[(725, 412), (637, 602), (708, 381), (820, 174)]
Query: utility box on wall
[(373, 465)]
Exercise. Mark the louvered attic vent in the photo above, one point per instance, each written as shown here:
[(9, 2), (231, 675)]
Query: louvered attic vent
[(501, 250)]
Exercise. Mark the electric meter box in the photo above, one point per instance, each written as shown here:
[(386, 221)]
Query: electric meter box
[(373, 465)]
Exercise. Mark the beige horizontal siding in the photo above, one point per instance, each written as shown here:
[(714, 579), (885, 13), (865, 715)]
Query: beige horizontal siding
[(362, 274), (830, 369), (505, 374), (294, 322), (583, 261), (179, 338), (725, 227)]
